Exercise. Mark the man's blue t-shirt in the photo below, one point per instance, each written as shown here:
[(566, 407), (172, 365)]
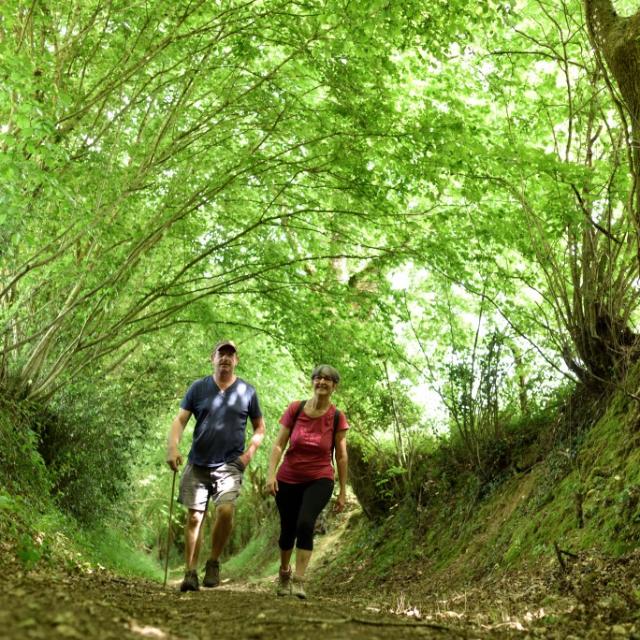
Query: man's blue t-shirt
[(221, 420)]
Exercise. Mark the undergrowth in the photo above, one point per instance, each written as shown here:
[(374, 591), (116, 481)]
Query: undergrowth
[(566, 481), (566, 478), (259, 558), (36, 528), (48, 539)]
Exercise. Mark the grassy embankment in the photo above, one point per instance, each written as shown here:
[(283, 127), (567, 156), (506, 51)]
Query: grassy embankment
[(581, 496)]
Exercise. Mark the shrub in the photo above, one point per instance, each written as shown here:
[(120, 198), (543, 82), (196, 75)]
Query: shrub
[(22, 469)]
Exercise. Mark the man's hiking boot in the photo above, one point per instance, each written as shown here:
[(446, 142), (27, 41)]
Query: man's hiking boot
[(211, 574), (190, 582), (297, 588), (284, 583)]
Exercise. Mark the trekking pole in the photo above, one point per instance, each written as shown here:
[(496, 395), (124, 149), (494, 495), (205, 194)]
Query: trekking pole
[(169, 529)]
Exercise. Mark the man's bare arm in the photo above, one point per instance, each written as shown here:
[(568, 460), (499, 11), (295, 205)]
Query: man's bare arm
[(259, 431), (174, 459)]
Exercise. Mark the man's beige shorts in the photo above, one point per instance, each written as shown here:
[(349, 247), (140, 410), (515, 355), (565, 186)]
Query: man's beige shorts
[(198, 485)]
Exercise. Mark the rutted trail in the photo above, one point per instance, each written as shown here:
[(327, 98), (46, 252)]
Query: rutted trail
[(103, 606), (43, 605)]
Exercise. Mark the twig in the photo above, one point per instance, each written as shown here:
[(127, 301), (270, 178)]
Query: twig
[(289, 621), (560, 552), (559, 557)]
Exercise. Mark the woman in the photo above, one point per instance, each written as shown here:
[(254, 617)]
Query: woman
[(304, 483)]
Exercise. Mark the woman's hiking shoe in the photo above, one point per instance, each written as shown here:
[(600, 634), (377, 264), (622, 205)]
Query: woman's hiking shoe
[(190, 582), (211, 574), (297, 588), (284, 583)]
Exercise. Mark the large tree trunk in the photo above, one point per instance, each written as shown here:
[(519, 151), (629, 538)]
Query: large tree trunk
[(616, 40)]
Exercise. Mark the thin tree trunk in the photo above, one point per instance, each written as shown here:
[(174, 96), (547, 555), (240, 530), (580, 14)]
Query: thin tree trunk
[(616, 41)]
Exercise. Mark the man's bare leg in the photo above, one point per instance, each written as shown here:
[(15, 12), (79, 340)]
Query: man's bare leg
[(221, 528), (192, 538)]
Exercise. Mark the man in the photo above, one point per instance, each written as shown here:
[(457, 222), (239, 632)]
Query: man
[(221, 404)]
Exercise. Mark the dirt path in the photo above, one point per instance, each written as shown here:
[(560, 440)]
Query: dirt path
[(100, 606)]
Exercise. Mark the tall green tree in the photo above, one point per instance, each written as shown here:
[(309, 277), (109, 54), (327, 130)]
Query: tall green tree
[(532, 210), (616, 42), (162, 156)]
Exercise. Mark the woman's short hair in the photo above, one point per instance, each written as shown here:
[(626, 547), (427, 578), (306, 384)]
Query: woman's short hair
[(326, 370)]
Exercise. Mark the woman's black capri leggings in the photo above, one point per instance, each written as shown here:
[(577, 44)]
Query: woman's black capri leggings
[(299, 506)]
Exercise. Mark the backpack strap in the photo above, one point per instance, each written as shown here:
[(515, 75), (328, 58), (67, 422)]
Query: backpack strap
[(296, 415), (336, 422)]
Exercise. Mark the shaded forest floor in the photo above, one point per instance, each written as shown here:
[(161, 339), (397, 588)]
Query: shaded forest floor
[(46, 604), (39, 605)]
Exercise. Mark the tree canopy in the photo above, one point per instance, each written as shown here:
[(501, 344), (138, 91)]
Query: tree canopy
[(440, 199)]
